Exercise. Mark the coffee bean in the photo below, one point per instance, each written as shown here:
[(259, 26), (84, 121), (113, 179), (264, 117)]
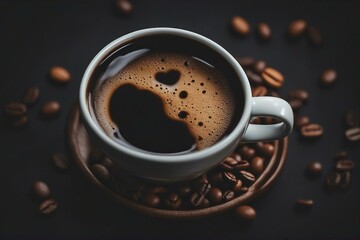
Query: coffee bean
[(229, 178), (301, 121), (31, 95), (257, 165), (245, 62), (345, 179), (267, 149), (240, 26), (124, 6), (353, 134), (299, 94), (259, 66), (41, 189), (272, 77), (230, 161), (264, 31), (215, 196), (304, 204), (341, 155), (328, 77), (245, 212), (196, 199), (203, 188), (297, 28), (315, 36), (184, 191), (228, 196), (311, 130), (205, 203), (259, 91), (216, 179), (247, 176), (19, 121), (295, 104), (235, 156), (241, 165), (50, 109), (15, 109), (60, 75), (254, 78), (247, 152), (351, 119), (238, 186), (344, 165), (151, 200), (314, 168), (60, 161), (48, 206), (333, 180), (173, 201), (243, 190), (100, 172)]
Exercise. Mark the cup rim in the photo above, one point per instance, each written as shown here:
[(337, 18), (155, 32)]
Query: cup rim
[(234, 136)]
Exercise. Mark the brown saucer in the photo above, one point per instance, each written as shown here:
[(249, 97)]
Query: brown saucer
[(80, 147)]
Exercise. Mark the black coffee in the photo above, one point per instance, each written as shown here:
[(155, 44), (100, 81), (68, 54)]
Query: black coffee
[(166, 95)]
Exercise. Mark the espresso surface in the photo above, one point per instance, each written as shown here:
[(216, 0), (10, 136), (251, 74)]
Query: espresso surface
[(194, 103)]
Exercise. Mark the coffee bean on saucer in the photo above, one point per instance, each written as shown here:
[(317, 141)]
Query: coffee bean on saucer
[(19, 121), (60, 161), (246, 62), (304, 204), (240, 26), (247, 176), (264, 31), (344, 165), (229, 178), (311, 130), (351, 119), (151, 200), (245, 212), (254, 78), (314, 168), (31, 95), (328, 77), (259, 66), (100, 172), (196, 199), (215, 196), (298, 94), (315, 36), (301, 121), (345, 179), (272, 77), (60, 75), (297, 28), (333, 180), (50, 109), (353, 134), (15, 109), (124, 6), (257, 165), (48, 206), (173, 201), (41, 189)]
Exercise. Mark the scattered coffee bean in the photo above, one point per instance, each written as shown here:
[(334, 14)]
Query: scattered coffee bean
[(48, 206), (215, 196), (41, 189), (311, 130), (259, 66), (173, 201), (124, 6), (314, 168), (353, 134), (15, 109), (254, 78), (328, 77), (264, 31), (315, 36), (297, 28), (228, 196), (60, 75), (229, 178), (295, 104), (344, 165), (333, 180), (240, 26), (299, 94), (100, 172), (245, 212), (151, 200), (60, 161), (31, 95), (50, 109), (301, 121), (351, 119), (304, 204), (19, 121), (345, 179), (273, 77), (259, 91), (245, 61), (257, 165)]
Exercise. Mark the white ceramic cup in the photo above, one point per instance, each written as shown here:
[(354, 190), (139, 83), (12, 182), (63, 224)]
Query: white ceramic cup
[(170, 168)]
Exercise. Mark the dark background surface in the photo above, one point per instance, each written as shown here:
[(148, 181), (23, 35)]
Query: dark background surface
[(36, 35)]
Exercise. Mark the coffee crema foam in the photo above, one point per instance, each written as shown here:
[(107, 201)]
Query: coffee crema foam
[(191, 90)]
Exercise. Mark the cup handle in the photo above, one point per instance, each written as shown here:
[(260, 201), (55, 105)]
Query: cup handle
[(269, 107)]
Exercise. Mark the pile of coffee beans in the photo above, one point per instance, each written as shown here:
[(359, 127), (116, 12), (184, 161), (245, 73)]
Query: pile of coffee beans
[(340, 176)]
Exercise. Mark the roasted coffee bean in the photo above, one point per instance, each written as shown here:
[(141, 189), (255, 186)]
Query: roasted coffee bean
[(215, 196), (235, 156), (297, 28), (245, 62), (100, 172), (259, 91), (341, 155), (31, 95), (173, 201), (247, 176), (254, 78), (245, 213), (304, 204), (156, 190), (301, 121), (60, 161), (311, 130), (333, 180), (315, 36), (259, 66), (229, 178), (314, 168), (205, 203), (151, 200), (50, 109), (328, 77), (41, 189), (299, 94), (196, 199), (353, 134), (228, 196), (228, 163), (344, 165), (257, 165), (272, 77), (203, 188), (351, 119), (247, 152), (240, 26), (345, 179), (295, 104), (15, 109), (267, 149), (238, 186), (60, 75), (216, 179), (19, 121), (243, 190), (241, 165), (124, 7), (48, 206), (184, 191), (263, 31)]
